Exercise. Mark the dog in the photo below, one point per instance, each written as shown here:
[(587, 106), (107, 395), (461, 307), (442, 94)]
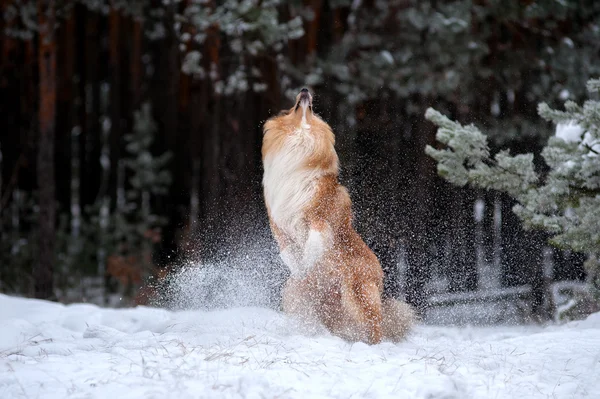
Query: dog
[(334, 277)]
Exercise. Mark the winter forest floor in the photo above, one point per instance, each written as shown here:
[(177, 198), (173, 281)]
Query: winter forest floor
[(49, 350)]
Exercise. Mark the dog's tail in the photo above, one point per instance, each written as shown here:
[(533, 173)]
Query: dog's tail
[(398, 318)]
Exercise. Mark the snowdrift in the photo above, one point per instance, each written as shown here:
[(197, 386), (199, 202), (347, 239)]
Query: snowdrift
[(48, 350)]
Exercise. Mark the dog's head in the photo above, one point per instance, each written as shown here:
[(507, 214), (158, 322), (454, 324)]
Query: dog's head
[(301, 112), (298, 119)]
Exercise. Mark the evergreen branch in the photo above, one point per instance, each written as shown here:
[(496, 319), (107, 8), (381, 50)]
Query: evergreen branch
[(590, 149), (593, 85), (494, 163), (584, 191), (571, 183)]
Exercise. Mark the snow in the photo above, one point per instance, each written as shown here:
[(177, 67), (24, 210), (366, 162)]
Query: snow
[(564, 94), (569, 132), (387, 56), (478, 210), (51, 350), (574, 133), (569, 42)]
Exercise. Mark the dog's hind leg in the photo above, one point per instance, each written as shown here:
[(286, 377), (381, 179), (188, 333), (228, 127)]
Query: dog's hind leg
[(368, 299), (296, 300)]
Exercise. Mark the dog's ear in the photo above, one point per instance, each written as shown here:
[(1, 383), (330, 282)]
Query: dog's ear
[(281, 113)]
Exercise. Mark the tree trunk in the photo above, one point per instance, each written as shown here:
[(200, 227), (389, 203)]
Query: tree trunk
[(115, 111), (136, 63), (211, 147), (461, 268), (169, 68), (338, 27), (419, 241), (8, 44), (312, 29), (90, 92), (43, 269)]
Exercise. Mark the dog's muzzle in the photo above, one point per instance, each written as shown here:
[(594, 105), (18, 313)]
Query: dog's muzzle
[(305, 96)]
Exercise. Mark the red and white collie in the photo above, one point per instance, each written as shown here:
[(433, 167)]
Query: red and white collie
[(335, 278)]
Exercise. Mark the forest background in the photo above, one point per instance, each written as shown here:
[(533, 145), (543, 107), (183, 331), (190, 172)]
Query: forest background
[(131, 130)]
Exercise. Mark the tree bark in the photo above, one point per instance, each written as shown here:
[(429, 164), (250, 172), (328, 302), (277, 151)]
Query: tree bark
[(43, 269), (90, 92), (211, 151), (461, 259), (312, 30), (115, 105), (9, 44), (136, 63), (419, 241)]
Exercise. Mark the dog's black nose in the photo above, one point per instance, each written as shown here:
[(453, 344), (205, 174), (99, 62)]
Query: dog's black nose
[(304, 90)]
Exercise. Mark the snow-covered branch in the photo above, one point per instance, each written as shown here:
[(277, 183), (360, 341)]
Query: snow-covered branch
[(565, 200)]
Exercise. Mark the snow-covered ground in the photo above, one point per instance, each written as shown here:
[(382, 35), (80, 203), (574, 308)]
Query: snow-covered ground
[(48, 350)]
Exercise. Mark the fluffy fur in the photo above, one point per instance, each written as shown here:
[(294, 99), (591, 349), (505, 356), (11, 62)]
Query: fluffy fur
[(335, 278)]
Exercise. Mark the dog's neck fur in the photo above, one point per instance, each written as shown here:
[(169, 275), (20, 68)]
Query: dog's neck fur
[(304, 122), (297, 152)]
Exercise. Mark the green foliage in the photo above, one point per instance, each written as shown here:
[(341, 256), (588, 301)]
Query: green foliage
[(467, 159), (117, 238), (18, 243), (21, 16), (148, 172), (563, 198), (247, 28), (148, 177), (492, 61)]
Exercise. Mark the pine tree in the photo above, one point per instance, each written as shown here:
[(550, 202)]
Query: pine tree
[(135, 228), (561, 197)]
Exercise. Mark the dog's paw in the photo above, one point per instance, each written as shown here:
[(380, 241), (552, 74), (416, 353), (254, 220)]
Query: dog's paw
[(315, 247), (290, 259)]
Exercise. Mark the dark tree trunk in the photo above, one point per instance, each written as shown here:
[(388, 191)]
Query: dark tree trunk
[(115, 107), (43, 269), (421, 236), (168, 80), (461, 267), (212, 182), (312, 30), (136, 63), (90, 92)]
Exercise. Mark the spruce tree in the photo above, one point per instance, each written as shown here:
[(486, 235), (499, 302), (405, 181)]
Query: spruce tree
[(561, 197)]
